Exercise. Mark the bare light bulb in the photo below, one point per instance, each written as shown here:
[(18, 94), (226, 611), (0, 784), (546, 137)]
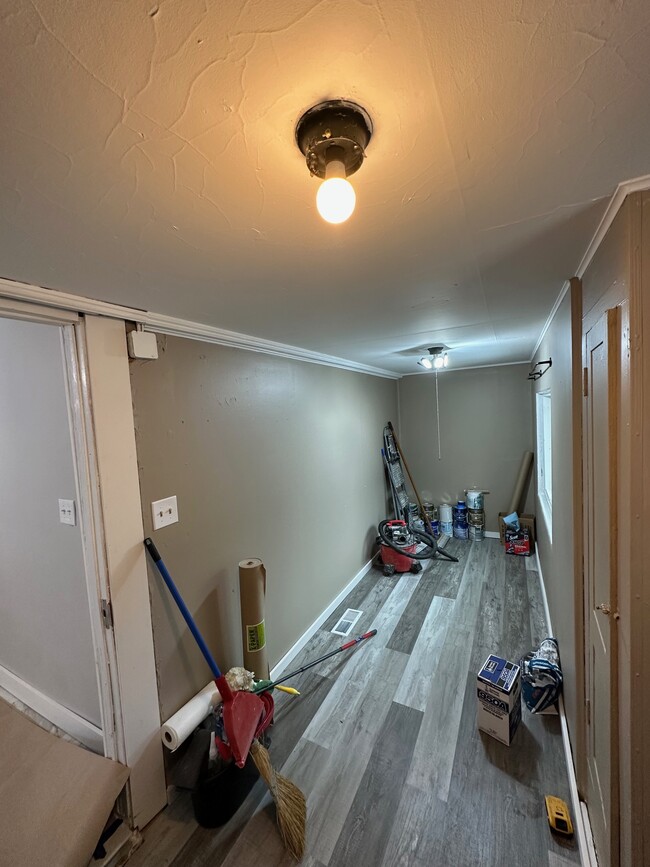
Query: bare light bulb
[(336, 198), (438, 362)]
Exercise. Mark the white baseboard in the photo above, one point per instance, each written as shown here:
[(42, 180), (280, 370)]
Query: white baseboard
[(280, 666), (580, 814), (491, 534), (70, 722)]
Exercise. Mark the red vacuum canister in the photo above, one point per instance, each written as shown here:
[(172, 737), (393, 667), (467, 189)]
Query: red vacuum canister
[(393, 560)]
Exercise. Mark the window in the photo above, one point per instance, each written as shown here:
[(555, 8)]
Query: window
[(545, 457)]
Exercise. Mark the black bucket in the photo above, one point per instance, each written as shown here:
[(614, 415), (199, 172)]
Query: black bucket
[(221, 792)]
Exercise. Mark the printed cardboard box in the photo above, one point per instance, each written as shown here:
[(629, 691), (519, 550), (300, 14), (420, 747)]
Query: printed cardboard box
[(498, 691), (526, 521)]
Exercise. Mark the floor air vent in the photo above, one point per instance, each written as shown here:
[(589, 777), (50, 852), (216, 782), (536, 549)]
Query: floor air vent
[(345, 624)]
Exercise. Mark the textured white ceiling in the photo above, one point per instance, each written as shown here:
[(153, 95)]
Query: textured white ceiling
[(147, 158)]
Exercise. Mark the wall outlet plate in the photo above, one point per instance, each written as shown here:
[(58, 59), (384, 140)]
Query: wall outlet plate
[(67, 512), (164, 512)]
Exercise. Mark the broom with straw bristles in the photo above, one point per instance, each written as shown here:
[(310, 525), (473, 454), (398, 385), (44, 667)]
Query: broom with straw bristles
[(290, 804)]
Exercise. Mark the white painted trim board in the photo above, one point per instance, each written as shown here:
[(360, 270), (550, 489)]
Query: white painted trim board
[(625, 188), (293, 651), (117, 469), (172, 325), (580, 813), (62, 717)]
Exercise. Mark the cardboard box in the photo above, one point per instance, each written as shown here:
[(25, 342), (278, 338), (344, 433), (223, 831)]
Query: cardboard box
[(498, 691), (526, 521)]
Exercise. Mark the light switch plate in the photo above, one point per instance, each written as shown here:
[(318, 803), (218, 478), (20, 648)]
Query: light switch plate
[(67, 512), (164, 512)]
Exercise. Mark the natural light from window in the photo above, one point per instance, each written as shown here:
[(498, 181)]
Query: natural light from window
[(544, 458)]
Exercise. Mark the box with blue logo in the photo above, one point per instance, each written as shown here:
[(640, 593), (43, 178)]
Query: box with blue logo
[(498, 690)]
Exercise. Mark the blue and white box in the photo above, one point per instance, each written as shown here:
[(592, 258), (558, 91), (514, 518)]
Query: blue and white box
[(498, 690)]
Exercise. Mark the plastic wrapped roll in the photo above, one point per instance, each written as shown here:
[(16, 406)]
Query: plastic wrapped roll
[(252, 591), (180, 726)]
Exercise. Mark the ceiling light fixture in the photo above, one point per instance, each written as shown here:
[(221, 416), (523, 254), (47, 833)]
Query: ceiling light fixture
[(333, 137), (436, 359)]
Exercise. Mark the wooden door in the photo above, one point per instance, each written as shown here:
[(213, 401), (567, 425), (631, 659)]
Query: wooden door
[(600, 479)]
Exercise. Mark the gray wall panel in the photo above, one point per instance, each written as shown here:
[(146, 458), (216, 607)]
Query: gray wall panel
[(269, 458), (485, 427), (556, 556)]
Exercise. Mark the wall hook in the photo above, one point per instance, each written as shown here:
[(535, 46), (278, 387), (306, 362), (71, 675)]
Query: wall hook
[(540, 369)]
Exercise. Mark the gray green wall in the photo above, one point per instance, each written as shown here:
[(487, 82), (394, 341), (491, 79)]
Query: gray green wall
[(45, 632), (556, 555), (485, 427), (269, 458)]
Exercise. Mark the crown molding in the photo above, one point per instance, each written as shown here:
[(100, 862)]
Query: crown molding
[(171, 325), (625, 188)]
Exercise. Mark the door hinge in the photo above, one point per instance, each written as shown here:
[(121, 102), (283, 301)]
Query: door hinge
[(585, 382), (107, 613), (588, 711)]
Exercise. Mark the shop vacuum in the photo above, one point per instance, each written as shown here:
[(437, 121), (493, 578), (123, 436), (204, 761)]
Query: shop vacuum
[(399, 544)]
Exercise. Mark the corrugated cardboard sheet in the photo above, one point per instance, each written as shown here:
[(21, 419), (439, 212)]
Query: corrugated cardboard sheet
[(55, 797)]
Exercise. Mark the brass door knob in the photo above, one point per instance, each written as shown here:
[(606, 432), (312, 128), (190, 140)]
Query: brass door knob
[(604, 607)]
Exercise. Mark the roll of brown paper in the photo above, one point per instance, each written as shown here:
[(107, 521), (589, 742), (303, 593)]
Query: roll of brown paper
[(526, 463), (252, 589)]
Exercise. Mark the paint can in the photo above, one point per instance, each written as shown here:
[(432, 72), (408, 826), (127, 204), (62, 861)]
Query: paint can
[(445, 513), (435, 526), (446, 527), (476, 517), (460, 520), (460, 514), (474, 499), (475, 533), (459, 511)]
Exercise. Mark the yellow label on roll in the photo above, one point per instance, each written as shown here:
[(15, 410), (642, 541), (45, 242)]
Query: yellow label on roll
[(255, 637)]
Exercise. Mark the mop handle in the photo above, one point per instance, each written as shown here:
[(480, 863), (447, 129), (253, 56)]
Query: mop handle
[(182, 607), (320, 659)]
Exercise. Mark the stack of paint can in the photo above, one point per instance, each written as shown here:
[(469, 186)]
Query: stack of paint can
[(445, 513), (431, 515), (475, 515), (461, 530)]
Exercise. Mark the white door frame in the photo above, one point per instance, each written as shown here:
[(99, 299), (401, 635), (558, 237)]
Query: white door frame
[(108, 496), (610, 321), (101, 739), (92, 536), (108, 386)]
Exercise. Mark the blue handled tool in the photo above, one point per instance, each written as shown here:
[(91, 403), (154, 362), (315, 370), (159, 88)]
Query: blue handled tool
[(242, 711)]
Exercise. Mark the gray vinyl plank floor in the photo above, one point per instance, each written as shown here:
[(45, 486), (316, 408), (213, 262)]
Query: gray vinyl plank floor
[(383, 739)]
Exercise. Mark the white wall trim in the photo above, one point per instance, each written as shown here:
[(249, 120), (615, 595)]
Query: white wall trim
[(280, 666), (176, 327), (117, 469), (634, 185), (90, 523), (70, 722), (550, 318), (491, 534), (625, 188), (580, 813)]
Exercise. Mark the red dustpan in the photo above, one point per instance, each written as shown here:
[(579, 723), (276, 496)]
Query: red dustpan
[(242, 711)]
